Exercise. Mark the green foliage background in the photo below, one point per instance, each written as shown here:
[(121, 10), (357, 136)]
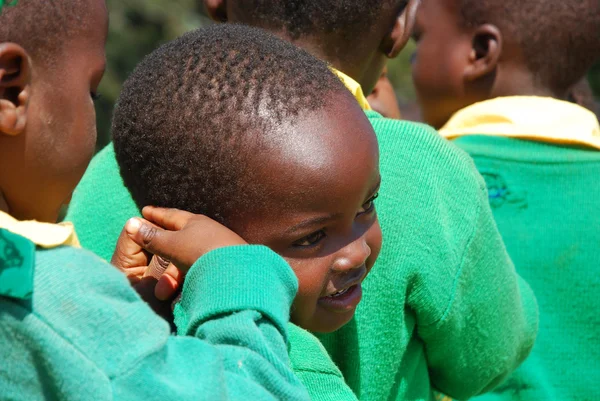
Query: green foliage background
[(138, 26)]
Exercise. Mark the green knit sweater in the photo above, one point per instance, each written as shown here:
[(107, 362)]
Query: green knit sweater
[(86, 335), (546, 201), (443, 307)]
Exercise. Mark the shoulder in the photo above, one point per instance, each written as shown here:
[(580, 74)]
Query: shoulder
[(91, 305), (308, 354)]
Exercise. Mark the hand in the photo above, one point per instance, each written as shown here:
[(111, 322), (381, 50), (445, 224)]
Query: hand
[(183, 239)]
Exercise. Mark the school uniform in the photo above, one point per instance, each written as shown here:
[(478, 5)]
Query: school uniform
[(540, 158)]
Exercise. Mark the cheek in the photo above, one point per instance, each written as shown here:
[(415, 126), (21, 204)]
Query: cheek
[(313, 275), (374, 241)]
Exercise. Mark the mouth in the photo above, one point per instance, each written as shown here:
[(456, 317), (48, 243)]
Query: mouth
[(347, 297)]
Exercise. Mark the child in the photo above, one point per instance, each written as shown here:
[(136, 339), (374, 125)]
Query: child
[(443, 307), (508, 67), (71, 327), (205, 126)]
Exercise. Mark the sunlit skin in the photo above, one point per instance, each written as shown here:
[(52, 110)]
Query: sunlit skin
[(53, 150), (323, 175)]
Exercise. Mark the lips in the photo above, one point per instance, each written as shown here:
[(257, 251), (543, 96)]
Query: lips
[(346, 295)]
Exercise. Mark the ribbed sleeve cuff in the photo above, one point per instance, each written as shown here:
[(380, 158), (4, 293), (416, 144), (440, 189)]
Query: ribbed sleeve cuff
[(233, 279)]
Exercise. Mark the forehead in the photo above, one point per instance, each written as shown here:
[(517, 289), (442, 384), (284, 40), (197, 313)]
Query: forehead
[(326, 157)]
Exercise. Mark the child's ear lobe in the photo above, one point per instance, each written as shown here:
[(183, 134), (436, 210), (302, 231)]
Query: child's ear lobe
[(485, 52), (15, 76), (216, 9), (402, 30)]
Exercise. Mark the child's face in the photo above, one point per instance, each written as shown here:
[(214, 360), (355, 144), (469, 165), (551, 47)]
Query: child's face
[(321, 217), (40, 167), (442, 54)]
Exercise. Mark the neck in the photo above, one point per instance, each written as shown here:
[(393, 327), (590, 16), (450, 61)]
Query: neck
[(356, 64), (519, 82)]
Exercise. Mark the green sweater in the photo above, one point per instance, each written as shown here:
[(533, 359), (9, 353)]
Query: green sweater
[(86, 335), (546, 199), (443, 306)]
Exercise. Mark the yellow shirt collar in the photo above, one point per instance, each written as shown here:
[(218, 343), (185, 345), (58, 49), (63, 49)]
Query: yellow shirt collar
[(45, 235), (534, 118), (354, 87)]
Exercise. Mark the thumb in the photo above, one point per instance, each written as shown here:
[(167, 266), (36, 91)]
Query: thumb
[(128, 253), (156, 241)]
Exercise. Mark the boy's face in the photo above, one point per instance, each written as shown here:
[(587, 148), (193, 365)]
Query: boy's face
[(47, 160), (321, 217), (442, 54)]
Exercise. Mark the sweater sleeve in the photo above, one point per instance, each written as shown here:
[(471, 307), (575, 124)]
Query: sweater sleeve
[(235, 302), (490, 322), (86, 334)]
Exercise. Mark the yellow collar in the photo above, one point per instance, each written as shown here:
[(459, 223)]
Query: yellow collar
[(354, 87), (45, 235), (534, 118)]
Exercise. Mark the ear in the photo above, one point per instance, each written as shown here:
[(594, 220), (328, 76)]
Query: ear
[(485, 52), (15, 75), (402, 30), (216, 9)]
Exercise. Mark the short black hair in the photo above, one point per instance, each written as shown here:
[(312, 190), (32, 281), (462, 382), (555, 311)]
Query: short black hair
[(43, 27), (341, 21), (560, 40), (195, 115)]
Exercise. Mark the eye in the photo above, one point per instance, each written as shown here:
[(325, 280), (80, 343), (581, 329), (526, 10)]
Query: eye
[(95, 96), (311, 239), (368, 206)]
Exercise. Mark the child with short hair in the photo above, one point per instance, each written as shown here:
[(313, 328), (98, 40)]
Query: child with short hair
[(71, 327), (211, 123), (495, 76), (443, 277)]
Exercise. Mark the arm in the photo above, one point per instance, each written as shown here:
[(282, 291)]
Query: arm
[(490, 323), (232, 321)]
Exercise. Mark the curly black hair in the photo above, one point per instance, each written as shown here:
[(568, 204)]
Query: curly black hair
[(195, 115), (44, 27), (340, 21), (560, 40)]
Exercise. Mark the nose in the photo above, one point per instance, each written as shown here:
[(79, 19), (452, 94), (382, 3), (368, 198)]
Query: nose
[(353, 256)]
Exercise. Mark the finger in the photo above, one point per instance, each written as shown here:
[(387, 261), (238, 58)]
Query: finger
[(169, 219), (128, 254), (157, 241), (166, 288), (157, 267), (169, 283)]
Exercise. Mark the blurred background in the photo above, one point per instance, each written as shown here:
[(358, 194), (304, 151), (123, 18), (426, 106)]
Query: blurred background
[(138, 26)]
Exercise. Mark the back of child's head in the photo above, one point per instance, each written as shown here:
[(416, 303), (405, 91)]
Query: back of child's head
[(355, 36), (51, 59), (245, 128), (198, 110), (469, 51), (44, 27), (559, 40)]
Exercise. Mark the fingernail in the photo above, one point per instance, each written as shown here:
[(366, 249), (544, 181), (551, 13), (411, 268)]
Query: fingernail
[(133, 226)]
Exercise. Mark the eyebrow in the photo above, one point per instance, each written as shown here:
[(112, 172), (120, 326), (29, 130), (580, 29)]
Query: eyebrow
[(313, 222), (330, 217)]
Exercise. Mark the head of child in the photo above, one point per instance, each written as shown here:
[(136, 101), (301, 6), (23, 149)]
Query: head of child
[(473, 50), (51, 59), (355, 36), (247, 129)]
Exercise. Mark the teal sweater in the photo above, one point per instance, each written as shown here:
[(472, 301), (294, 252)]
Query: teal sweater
[(443, 307), (86, 335), (546, 201)]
